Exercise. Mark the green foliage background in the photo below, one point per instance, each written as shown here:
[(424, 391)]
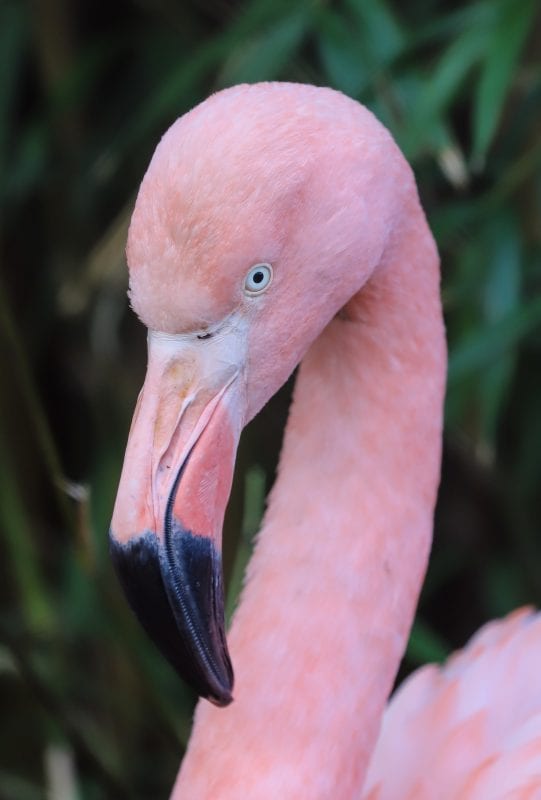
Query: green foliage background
[(88, 708)]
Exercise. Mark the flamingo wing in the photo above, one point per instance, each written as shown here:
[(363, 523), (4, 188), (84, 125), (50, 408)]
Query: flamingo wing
[(470, 730)]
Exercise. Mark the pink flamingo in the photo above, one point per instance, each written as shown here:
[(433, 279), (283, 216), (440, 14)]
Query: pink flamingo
[(280, 223)]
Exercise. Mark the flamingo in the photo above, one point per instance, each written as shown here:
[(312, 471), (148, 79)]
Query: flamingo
[(279, 224)]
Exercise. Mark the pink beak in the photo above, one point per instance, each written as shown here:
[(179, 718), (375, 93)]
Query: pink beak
[(167, 522)]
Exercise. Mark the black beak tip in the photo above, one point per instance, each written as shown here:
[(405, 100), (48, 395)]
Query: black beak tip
[(176, 593), (225, 698)]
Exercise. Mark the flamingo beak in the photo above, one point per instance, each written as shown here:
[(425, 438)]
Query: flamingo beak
[(167, 522)]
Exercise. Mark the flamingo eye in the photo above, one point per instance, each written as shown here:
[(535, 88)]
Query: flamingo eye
[(258, 278)]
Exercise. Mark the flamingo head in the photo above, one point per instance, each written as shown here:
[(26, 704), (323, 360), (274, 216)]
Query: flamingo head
[(262, 212)]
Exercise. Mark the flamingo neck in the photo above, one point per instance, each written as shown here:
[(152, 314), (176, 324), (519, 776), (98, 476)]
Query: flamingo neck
[(335, 577)]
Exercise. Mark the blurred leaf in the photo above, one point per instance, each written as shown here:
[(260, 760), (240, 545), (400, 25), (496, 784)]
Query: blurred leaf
[(18, 537), (501, 289), (488, 344), (504, 45), (13, 32), (501, 297), (503, 588), (29, 162), (452, 22), (61, 774), (22, 378), (341, 53), (441, 86), (263, 57), (165, 102), (453, 222), (425, 646), (7, 663), (494, 387), (260, 15), (254, 503), (379, 31), (13, 787), (520, 169)]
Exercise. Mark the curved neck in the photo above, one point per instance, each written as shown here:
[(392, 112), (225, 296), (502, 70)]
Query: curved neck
[(334, 581)]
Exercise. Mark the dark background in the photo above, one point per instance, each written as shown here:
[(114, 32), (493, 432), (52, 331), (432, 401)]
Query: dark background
[(87, 708)]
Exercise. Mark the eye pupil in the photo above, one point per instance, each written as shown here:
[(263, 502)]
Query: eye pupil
[(258, 277)]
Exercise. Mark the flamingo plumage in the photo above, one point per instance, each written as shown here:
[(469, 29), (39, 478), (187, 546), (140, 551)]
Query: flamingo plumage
[(278, 224)]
